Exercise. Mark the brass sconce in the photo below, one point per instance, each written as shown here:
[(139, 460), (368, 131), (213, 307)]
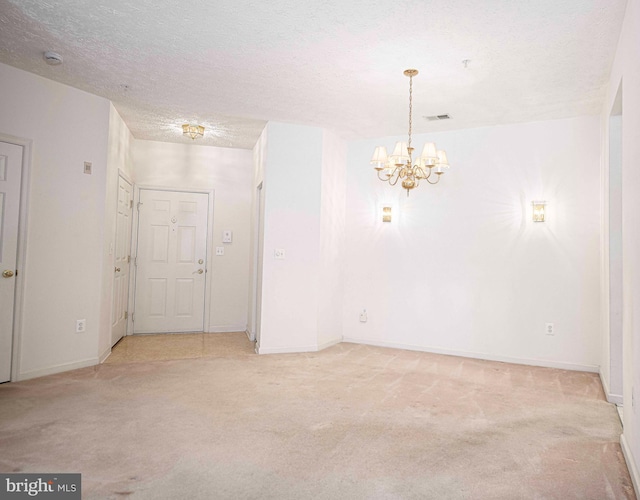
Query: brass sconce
[(538, 210), (386, 214)]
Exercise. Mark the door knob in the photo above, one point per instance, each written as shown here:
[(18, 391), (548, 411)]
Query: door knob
[(117, 269), (7, 274), (199, 271)]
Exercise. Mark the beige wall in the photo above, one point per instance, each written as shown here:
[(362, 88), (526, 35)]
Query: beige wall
[(66, 218), (229, 173)]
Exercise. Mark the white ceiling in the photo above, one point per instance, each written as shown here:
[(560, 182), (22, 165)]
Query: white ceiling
[(231, 65)]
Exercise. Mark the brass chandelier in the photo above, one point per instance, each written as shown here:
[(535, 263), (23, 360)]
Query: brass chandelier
[(399, 165)]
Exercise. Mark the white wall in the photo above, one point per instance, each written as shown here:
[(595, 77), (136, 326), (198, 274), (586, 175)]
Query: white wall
[(462, 269), (332, 239), (626, 71), (292, 193), (229, 172), (118, 160), (66, 214)]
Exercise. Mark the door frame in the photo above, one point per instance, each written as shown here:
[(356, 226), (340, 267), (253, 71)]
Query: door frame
[(134, 248), (256, 292), (21, 251)]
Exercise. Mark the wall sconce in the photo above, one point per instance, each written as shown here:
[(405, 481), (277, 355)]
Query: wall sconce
[(386, 214), (538, 210)]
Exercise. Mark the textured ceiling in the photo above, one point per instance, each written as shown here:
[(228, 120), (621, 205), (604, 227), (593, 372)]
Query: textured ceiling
[(231, 65)]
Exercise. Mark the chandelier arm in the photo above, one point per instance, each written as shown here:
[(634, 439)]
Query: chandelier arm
[(395, 174), (437, 180), (381, 178)]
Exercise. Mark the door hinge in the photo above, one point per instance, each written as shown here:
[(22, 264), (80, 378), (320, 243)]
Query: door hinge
[(130, 203), (128, 259), (133, 317), (126, 314)]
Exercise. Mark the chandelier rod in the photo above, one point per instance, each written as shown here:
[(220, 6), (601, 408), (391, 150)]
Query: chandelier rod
[(410, 111)]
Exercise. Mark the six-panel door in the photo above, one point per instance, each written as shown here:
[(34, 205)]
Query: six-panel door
[(171, 262), (10, 179)]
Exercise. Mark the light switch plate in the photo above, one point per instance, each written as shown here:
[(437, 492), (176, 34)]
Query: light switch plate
[(219, 250), (279, 253), (227, 236)]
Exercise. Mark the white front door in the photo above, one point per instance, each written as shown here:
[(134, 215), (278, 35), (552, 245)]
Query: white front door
[(171, 262), (121, 261), (10, 176)]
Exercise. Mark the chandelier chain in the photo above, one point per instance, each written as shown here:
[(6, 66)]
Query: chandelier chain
[(410, 111)]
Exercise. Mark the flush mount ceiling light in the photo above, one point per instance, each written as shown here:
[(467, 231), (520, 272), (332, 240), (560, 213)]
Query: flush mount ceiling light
[(193, 131), (399, 165)]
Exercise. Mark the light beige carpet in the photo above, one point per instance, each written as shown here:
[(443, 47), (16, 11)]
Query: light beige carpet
[(350, 422)]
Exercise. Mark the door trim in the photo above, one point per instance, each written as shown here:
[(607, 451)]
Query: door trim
[(134, 248), (21, 253)]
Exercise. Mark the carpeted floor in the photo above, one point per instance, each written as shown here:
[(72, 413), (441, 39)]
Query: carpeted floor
[(350, 422)]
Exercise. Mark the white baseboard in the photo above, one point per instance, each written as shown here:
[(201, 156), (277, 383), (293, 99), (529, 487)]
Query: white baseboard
[(227, 329), (250, 335), (478, 355), (289, 350), (615, 399), (286, 350), (631, 464), (58, 369), (104, 356), (328, 343)]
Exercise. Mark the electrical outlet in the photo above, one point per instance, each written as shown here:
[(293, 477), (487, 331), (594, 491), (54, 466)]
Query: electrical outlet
[(219, 250), (81, 325), (278, 253), (549, 329), (363, 316)]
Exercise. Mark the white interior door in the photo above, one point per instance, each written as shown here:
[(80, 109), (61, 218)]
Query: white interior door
[(10, 176), (171, 262), (121, 261)]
